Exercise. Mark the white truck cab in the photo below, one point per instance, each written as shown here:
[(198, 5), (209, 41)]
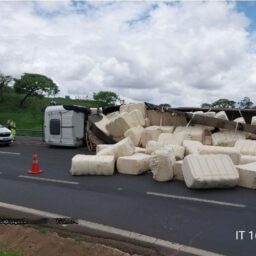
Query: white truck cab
[(64, 125)]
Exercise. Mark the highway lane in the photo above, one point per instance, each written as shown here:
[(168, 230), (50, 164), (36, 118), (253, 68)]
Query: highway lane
[(137, 204)]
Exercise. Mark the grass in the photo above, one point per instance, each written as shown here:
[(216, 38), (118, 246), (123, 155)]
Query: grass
[(8, 253), (30, 117), (43, 231)]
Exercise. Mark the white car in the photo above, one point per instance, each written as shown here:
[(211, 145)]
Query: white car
[(6, 137)]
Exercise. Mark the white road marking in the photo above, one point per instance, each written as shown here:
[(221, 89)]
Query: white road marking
[(116, 231), (10, 153), (48, 179), (196, 199)]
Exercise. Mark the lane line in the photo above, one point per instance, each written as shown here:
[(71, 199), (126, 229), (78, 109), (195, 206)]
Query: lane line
[(194, 199), (9, 153), (116, 231), (48, 179)]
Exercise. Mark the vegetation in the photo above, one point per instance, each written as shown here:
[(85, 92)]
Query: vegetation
[(106, 98), (34, 85), (4, 81), (8, 253)]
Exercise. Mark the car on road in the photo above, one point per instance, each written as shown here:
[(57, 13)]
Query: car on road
[(6, 137)]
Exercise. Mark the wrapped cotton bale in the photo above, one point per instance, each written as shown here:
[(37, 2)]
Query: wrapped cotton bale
[(169, 138), (227, 138), (150, 133), (147, 122), (152, 146), (209, 171), (124, 147), (247, 175), (136, 118), (112, 115), (135, 134), (134, 106), (161, 164), (232, 152), (253, 122), (99, 147), (201, 113), (167, 129), (247, 147), (210, 114), (239, 120), (92, 165), (140, 150), (118, 125), (221, 115), (192, 146), (134, 164), (177, 171), (102, 124), (193, 132), (244, 159)]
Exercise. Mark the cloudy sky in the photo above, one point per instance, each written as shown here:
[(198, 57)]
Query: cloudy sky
[(183, 53)]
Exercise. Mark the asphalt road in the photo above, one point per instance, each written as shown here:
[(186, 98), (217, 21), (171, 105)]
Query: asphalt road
[(136, 203)]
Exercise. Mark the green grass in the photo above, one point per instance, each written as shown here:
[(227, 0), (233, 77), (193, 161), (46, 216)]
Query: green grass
[(31, 115), (43, 231), (8, 253)]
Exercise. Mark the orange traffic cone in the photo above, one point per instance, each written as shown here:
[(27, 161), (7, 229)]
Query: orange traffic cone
[(35, 169)]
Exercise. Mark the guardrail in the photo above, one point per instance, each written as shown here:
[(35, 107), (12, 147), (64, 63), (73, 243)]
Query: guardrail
[(29, 132)]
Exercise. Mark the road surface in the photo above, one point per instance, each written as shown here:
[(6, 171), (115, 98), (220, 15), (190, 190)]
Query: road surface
[(205, 219)]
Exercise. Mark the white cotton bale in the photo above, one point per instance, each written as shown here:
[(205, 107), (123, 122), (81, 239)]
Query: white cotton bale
[(134, 106), (124, 147), (134, 164), (209, 171), (232, 152), (247, 175), (239, 120), (167, 129), (210, 114), (169, 138), (147, 122), (136, 118), (99, 147), (192, 146), (150, 133), (152, 146), (161, 164), (253, 121), (221, 115), (135, 134), (246, 147), (177, 171), (227, 138), (112, 115), (92, 165), (118, 125), (140, 150), (192, 132), (245, 159), (201, 113), (102, 124)]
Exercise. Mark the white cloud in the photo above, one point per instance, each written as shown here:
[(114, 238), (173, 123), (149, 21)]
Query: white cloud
[(183, 53)]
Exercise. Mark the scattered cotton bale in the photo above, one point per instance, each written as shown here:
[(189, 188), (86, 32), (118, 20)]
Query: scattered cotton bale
[(161, 164), (118, 125), (210, 114), (192, 146), (112, 115), (150, 133), (134, 106), (221, 115), (253, 122), (193, 132), (233, 153), (102, 124), (92, 165), (99, 147), (135, 134), (167, 129), (147, 122), (177, 171), (247, 159), (124, 147), (155, 145), (201, 113), (239, 120), (136, 118), (227, 138), (169, 138), (247, 175), (247, 147), (140, 150), (209, 171), (134, 164)]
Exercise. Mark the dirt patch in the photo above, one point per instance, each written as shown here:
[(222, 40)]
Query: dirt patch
[(43, 241)]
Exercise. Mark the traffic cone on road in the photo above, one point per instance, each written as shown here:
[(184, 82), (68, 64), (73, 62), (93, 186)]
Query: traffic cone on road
[(35, 169)]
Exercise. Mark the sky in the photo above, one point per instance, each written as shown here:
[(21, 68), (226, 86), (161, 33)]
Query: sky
[(183, 53)]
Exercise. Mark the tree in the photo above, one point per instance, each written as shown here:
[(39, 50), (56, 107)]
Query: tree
[(106, 97), (223, 103), (4, 81), (245, 103), (34, 85), (206, 105)]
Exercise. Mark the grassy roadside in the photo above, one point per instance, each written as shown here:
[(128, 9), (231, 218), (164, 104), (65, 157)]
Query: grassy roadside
[(30, 117), (8, 253)]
